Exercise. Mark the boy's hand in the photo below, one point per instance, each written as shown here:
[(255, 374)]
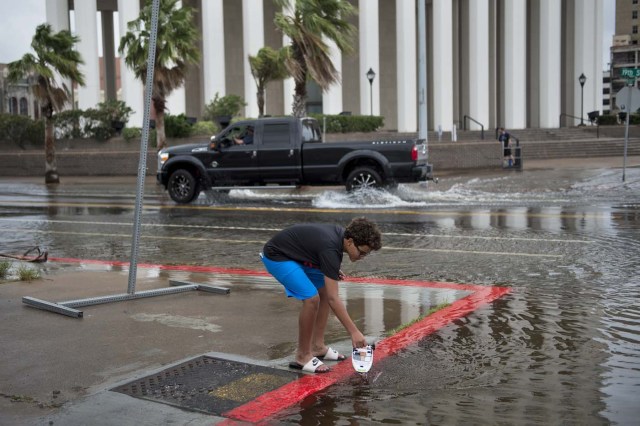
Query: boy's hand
[(358, 340), (341, 275)]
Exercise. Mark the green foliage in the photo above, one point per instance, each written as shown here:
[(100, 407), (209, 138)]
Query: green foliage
[(92, 123), (204, 128), (54, 54), (177, 126), (229, 105), (350, 123), (5, 266), (607, 120), (21, 130), (311, 24), (115, 110), (25, 273), (130, 133)]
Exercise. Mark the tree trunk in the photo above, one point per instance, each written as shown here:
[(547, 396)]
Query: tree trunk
[(50, 165), (300, 99), (260, 95), (161, 138)]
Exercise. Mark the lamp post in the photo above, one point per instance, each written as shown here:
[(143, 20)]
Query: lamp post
[(370, 76), (582, 79)]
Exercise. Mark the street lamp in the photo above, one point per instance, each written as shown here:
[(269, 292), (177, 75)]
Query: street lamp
[(371, 75), (582, 79)]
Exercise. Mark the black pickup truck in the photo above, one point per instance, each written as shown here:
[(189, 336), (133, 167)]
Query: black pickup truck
[(289, 152)]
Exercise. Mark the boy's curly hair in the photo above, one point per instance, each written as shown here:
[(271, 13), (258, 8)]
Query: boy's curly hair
[(364, 233)]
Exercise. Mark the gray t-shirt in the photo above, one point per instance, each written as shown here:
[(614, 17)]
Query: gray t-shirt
[(315, 245)]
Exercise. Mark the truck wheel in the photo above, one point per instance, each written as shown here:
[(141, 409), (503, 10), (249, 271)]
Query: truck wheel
[(363, 177), (182, 187)]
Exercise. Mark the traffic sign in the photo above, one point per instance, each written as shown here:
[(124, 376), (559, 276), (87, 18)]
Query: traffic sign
[(630, 95), (630, 72)]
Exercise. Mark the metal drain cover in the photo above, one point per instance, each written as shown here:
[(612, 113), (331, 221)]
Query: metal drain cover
[(207, 384)]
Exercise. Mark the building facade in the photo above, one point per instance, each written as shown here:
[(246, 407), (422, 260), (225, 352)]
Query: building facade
[(625, 49), (512, 63)]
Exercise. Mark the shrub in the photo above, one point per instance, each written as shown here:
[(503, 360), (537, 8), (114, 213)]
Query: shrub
[(225, 106), (207, 128), (99, 123), (21, 130), (607, 120), (130, 133), (177, 126), (4, 269), (350, 123), (26, 273)]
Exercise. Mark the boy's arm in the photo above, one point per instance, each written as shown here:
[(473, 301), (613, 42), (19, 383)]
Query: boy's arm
[(340, 311)]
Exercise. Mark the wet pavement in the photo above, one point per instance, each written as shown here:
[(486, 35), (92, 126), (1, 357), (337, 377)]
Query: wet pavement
[(562, 347)]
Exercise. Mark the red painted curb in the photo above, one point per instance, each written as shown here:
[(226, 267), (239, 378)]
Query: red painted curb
[(271, 403)]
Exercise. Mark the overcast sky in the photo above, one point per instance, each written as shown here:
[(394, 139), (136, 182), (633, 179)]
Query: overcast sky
[(21, 17)]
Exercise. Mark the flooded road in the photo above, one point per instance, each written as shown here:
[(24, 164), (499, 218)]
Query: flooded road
[(562, 348)]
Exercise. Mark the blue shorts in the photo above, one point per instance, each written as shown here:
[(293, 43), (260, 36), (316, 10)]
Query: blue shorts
[(299, 281)]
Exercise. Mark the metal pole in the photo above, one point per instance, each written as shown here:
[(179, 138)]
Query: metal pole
[(422, 71), (371, 96), (144, 144), (626, 133), (582, 106)]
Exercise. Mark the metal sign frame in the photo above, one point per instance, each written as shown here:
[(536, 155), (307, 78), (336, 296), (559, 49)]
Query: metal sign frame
[(67, 308)]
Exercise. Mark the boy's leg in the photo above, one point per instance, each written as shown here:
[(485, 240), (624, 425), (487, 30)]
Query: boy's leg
[(297, 284), (306, 322), (320, 324)]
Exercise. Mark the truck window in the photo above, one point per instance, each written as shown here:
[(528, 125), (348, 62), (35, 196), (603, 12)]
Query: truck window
[(275, 134), (310, 131)]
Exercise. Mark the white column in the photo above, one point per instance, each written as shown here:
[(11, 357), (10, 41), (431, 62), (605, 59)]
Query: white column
[(213, 49), (57, 12), (86, 29), (252, 41), (585, 58), (478, 71), (406, 66), (176, 101), (550, 62), (288, 85), (132, 89), (598, 65), (332, 98), (515, 64), (442, 65), (369, 56)]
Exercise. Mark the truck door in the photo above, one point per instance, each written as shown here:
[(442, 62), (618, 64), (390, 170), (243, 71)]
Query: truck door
[(279, 155), (232, 163)]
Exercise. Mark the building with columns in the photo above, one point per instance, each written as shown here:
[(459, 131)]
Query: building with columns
[(512, 63)]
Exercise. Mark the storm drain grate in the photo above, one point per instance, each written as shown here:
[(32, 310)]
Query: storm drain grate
[(207, 384)]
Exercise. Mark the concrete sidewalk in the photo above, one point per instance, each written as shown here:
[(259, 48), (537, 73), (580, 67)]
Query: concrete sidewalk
[(56, 369)]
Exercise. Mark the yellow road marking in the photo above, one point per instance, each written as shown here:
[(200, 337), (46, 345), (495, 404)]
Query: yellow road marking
[(246, 228), (221, 240), (440, 213)]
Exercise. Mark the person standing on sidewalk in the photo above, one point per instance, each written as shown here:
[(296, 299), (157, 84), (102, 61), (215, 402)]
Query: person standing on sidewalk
[(505, 140), (306, 260)]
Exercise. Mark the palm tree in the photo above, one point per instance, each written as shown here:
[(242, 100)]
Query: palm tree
[(266, 66), (176, 49), (311, 23), (54, 56)]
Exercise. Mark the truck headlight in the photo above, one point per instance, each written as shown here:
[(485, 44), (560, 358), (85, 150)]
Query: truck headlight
[(162, 158)]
